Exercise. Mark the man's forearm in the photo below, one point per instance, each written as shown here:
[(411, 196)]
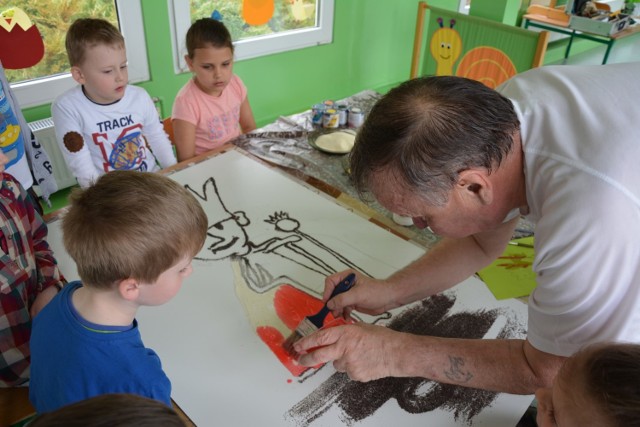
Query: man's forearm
[(444, 266), (450, 262), (497, 365)]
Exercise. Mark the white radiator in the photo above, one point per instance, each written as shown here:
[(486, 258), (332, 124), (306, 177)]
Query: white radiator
[(46, 134)]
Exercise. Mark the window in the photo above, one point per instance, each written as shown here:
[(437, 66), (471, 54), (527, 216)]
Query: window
[(291, 24), (42, 83)]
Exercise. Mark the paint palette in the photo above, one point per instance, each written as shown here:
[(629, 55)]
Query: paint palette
[(339, 141)]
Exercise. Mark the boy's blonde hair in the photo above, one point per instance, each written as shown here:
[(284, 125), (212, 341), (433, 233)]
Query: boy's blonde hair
[(106, 410), (131, 225), (85, 33)]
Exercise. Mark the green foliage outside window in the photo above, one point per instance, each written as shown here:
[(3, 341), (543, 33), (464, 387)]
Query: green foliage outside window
[(284, 18), (53, 18)]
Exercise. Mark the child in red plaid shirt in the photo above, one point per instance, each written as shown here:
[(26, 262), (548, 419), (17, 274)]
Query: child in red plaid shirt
[(29, 276)]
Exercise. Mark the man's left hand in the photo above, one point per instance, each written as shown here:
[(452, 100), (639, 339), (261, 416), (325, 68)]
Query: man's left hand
[(364, 352)]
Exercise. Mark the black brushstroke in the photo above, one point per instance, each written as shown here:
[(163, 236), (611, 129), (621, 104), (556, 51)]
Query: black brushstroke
[(358, 400)]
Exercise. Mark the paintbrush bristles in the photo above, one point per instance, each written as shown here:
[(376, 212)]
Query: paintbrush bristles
[(290, 341), (311, 324), (305, 328)]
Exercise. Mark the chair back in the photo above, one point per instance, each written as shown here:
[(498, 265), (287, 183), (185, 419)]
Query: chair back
[(473, 47), (168, 129)]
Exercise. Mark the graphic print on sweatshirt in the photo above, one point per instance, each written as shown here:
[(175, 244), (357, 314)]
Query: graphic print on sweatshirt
[(128, 151)]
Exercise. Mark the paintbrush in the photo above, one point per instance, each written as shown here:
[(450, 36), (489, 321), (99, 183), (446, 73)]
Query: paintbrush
[(522, 245), (311, 324)]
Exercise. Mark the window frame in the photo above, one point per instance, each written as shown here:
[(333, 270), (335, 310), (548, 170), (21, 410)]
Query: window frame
[(43, 91), (180, 21)]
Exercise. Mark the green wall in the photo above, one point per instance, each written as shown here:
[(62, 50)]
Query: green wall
[(505, 11), (371, 49)]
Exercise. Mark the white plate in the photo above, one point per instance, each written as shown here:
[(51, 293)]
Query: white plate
[(314, 136)]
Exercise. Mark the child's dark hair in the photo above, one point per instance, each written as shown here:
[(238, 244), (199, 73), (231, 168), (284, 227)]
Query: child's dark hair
[(609, 373), (205, 32)]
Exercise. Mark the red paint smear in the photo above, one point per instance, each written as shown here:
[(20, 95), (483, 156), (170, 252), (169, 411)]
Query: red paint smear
[(292, 305), (517, 261), (274, 340), (515, 265), (516, 257)]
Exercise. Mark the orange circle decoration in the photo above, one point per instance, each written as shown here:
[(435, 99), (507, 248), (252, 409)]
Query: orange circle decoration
[(486, 64), (257, 12)]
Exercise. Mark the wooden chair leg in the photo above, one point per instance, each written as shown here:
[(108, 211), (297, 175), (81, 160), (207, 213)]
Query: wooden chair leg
[(417, 41), (14, 405)]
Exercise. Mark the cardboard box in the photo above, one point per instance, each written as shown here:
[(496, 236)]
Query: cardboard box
[(599, 26)]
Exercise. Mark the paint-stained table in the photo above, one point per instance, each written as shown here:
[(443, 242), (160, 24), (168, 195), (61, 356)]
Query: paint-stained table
[(284, 143)]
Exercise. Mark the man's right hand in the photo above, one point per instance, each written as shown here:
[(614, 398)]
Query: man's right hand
[(368, 296)]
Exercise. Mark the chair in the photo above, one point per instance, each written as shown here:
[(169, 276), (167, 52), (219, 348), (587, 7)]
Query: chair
[(168, 128), (490, 52), (15, 407)]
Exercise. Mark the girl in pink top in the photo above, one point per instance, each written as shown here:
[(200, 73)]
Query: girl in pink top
[(213, 107)]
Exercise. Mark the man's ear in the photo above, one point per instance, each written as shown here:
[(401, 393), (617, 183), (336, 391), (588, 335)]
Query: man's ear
[(129, 289), (475, 183), (77, 75)]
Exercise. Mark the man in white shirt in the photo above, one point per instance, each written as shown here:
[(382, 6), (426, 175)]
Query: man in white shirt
[(558, 145)]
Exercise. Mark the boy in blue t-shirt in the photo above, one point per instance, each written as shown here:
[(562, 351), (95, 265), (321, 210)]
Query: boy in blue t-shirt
[(133, 236)]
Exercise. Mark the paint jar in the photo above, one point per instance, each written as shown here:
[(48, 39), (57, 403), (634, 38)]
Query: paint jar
[(329, 103), (356, 117), (405, 221), (343, 112), (317, 111), (330, 119)]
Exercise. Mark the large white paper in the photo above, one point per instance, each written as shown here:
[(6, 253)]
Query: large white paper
[(274, 239)]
